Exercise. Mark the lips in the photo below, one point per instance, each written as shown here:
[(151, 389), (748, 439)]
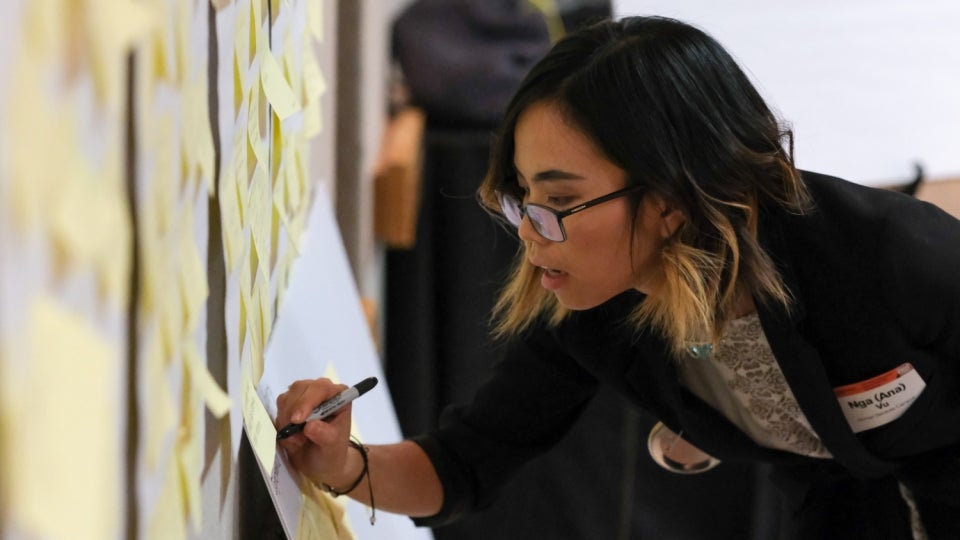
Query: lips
[(545, 267), (551, 278)]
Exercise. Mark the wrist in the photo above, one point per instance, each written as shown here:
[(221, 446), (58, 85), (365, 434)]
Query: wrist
[(361, 450), (354, 471)]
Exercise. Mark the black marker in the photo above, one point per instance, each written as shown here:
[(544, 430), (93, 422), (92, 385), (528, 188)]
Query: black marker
[(330, 406)]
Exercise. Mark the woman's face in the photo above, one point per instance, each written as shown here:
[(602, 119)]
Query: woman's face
[(557, 166)]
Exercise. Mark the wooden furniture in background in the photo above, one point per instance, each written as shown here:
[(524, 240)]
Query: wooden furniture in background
[(398, 179)]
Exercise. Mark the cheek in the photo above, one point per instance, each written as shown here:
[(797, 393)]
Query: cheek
[(618, 262), (604, 257)]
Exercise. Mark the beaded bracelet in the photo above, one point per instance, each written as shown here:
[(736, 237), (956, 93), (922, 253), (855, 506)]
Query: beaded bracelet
[(356, 444)]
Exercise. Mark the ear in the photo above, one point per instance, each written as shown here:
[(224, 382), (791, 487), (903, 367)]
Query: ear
[(669, 219)]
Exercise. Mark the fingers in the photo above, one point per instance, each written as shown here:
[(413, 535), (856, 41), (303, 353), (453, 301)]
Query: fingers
[(294, 405), (330, 430), (323, 433), (320, 449)]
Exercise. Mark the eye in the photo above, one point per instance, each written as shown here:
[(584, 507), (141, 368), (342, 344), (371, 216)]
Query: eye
[(559, 202)]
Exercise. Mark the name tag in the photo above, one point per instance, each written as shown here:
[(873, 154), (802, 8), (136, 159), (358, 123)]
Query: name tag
[(881, 399)]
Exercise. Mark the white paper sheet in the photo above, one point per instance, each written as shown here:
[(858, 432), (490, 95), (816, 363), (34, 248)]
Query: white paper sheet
[(321, 322)]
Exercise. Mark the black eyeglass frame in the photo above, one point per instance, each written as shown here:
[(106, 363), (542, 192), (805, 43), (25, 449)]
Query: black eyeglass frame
[(558, 214)]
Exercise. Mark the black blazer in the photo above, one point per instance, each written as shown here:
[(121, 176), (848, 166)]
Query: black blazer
[(876, 276)]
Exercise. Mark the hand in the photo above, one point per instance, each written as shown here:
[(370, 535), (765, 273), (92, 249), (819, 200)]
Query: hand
[(320, 450)]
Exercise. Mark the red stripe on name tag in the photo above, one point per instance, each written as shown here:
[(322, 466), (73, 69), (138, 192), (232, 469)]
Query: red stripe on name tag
[(873, 382)]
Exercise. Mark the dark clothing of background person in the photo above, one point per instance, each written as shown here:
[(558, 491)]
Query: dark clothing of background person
[(461, 62)]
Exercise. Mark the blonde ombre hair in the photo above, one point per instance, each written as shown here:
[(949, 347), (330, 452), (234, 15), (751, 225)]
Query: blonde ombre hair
[(666, 103)]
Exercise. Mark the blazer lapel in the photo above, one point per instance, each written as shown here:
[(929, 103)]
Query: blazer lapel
[(804, 370)]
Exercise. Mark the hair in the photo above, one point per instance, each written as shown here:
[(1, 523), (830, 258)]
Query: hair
[(666, 103)]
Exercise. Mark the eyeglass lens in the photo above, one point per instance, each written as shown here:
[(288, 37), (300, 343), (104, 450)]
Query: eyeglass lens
[(543, 220), (511, 209)]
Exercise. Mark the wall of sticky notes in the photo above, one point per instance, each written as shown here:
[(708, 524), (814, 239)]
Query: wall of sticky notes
[(65, 261), (157, 168)]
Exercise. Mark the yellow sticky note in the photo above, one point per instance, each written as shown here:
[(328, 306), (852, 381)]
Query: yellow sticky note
[(255, 125), (199, 124), (255, 323), (314, 84), (259, 208), (215, 398), (181, 31), (162, 195), (110, 34), (42, 29), (315, 19), (331, 373), (72, 205), (241, 36), (260, 429), (158, 409), (171, 316), (239, 82), (242, 333), (231, 224), (262, 289), (114, 264), (254, 330), (32, 172), (275, 86), (246, 269), (279, 195), (312, 119), (192, 276), (255, 344), (69, 392), (167, 521), (188, 454), (152, 271), (239, 152), (258, 38), (321, 516), (188, 144), (290, 61), (296, 181), (278, 143)]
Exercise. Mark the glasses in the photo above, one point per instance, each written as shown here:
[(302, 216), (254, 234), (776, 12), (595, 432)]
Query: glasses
[(545, 220)]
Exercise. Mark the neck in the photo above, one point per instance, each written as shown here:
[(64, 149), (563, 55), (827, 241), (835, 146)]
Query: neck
[(744, 307)]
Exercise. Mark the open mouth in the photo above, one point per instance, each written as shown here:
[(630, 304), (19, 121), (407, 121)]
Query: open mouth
[(552, 279)]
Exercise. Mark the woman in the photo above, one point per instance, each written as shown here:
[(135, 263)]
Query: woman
[(672, 251)]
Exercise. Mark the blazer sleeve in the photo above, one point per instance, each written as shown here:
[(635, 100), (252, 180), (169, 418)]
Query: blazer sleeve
[(921, 274), (535, 394)]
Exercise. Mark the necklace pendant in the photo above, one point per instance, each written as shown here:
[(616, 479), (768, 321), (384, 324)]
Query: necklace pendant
[(700, 350)]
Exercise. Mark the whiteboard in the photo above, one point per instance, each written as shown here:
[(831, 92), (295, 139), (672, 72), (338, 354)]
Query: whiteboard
[(870, 86)]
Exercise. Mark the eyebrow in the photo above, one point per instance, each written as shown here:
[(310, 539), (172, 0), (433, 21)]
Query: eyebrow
[(551, 174)]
